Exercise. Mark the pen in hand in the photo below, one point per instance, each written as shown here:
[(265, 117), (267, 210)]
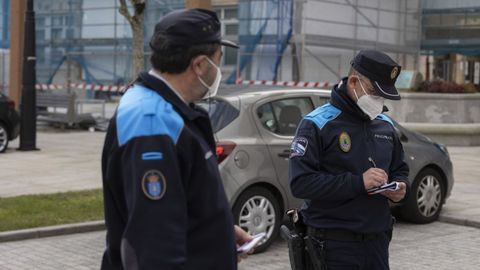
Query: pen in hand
[(373, 162), (375, 166)]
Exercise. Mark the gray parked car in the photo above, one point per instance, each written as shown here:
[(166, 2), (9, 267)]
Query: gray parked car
[(254, 129)]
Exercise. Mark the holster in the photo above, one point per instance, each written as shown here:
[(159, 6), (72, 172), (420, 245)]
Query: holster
[(303, 250), (296, 248), (316, 252)]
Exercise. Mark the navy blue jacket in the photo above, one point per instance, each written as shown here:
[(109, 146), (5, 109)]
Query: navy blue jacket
[(165, 206), (332, 149)]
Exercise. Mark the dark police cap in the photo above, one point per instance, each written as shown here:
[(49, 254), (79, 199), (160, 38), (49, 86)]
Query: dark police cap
[(381, 70), (190, 27)]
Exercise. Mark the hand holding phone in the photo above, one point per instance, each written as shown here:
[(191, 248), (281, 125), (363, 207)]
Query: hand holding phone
[(252, 243)]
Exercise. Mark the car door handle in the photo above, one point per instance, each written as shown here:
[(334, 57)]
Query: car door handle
[(285, 154)]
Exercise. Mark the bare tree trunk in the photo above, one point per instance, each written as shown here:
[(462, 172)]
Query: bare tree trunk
[(138, 50), (136, 23)]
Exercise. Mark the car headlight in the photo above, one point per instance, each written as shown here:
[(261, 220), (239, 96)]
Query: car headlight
[(442, 148)]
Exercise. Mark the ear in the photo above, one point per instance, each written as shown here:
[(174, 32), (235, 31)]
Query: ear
[(352, 81), (197, 64)]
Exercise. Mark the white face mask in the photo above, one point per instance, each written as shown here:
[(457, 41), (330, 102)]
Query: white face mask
[(212, 89), (371, 105)]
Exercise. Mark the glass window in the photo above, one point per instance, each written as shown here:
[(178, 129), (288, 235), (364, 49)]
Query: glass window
[(473, 20), (267, 118), (323, 100), (451, 33), (69, 20), (57, 20), (40, 22), (432, 20), (452, 20), (70, 33), (283, 116), (231, 13), (220, 111), (231, 29), (40, 35), (56, 33), (230, 56), (40, 56)]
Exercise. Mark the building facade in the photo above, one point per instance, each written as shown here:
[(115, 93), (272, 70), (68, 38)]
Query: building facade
[(451, 40), (284, 40)]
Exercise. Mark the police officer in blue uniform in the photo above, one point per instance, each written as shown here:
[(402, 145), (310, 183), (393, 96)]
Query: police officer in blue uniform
[(165, 206), (340, 151)]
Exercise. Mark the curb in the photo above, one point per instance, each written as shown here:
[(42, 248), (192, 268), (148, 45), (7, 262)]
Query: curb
[(99, 225), (52, 231), (459, 221)]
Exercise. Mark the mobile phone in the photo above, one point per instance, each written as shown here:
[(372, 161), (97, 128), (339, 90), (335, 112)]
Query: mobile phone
[(252, 243)]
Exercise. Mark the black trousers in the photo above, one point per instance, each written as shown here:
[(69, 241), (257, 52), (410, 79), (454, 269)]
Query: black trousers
[(364, 255)]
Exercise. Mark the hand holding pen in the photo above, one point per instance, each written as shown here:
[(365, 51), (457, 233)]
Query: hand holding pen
[(396, 195), (374, 177)]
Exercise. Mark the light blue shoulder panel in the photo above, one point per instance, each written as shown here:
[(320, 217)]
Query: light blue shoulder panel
[(322, 115), (142, 112), (385, 118)]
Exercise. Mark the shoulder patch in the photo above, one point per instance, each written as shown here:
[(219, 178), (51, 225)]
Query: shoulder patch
[(322, 115), (142, 112), (298, 147), (154, 185), (385, 118)]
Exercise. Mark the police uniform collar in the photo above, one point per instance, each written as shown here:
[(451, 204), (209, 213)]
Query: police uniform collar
[(187, 110), (158, 76)]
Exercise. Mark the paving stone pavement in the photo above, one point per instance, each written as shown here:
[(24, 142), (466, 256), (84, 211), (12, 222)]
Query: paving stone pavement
[(68, 161), (438, 246), (464, 202)]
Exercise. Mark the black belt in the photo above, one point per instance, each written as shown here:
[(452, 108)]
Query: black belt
[(342, 235)]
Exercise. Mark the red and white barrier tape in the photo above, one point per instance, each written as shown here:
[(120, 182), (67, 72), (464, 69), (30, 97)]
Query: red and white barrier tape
[(83, 86), (287, 83), (120, 88)]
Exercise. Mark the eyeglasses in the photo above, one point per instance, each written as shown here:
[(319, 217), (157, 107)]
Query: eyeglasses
[(370, 90)]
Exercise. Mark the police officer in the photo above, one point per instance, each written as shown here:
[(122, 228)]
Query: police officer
[(165, 206), (340, 151)]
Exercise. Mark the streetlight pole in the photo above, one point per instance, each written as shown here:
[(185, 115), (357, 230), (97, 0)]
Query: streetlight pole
[(28, 128)]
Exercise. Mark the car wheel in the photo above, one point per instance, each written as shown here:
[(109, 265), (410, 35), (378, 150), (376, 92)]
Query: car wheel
[(426, 198), (257, 210), (3, 138)]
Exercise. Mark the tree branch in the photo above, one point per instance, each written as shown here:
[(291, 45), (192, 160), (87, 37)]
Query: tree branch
[(138, 7), (123, 9)]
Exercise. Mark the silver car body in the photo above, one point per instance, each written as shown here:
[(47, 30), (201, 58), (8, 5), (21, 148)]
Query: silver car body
[(260, 157)]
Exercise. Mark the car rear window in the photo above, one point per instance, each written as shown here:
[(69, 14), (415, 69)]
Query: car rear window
[(220, 111)]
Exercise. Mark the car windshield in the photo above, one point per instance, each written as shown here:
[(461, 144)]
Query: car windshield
[(220, 111)]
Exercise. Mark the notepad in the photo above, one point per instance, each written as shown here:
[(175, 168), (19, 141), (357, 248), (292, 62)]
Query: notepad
[(252, 243), (393, 186)]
